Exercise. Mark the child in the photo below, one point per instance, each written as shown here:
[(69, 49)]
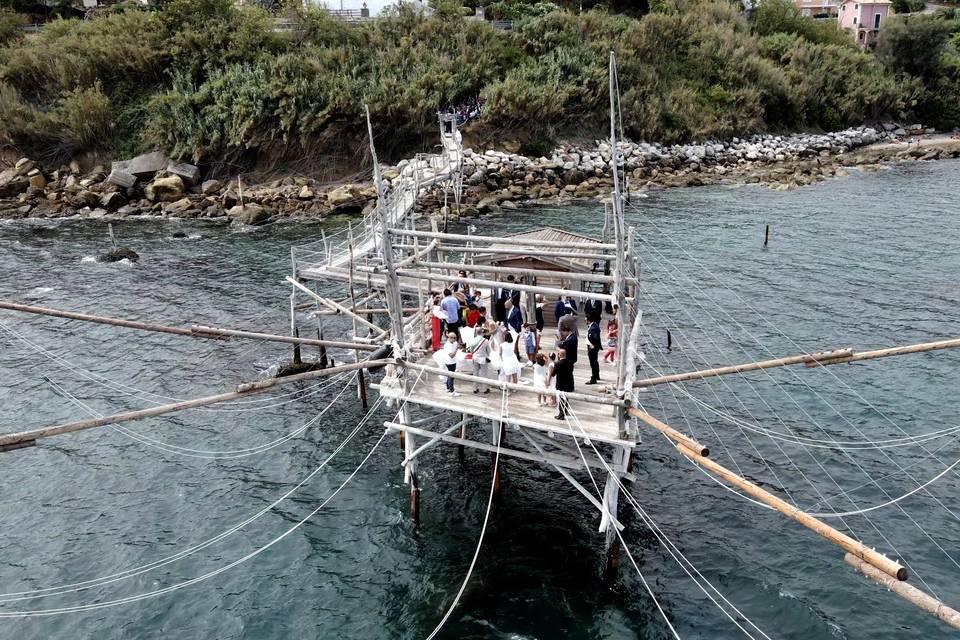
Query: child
[(528, 339), (540, 370), (613, 332)]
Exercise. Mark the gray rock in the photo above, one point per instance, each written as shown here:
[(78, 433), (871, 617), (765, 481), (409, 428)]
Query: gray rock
[(187, 172), (148, 164), (122, 178), (210, 187), (112, 201)]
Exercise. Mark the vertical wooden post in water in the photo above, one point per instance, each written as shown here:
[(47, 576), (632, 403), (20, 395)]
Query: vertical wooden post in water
[(766, 235)]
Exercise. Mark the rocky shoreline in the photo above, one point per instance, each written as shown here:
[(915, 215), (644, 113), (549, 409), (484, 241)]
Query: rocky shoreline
[(152, 185)]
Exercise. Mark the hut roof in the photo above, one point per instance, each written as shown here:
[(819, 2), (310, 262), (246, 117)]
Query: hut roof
[(580, 265)]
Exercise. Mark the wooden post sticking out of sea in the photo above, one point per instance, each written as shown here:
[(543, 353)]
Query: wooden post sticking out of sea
[(766, 236)]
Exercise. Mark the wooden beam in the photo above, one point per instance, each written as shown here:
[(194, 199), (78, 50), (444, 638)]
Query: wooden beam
[(337, 306), (216, 331), (550, 458), (820, 358), (476, 268), (672, 433), (906, 591), (858, 549), (523, 242), (493, 284), (823, 357), (242, 390), (431, 443), (512, 386), (195, 331), (531, 250)]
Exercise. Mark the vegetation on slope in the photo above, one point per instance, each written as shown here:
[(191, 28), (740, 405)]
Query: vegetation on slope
[(209, 82)]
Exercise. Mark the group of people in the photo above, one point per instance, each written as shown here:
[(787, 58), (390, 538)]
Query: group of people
[(465, 337), (468, 110)]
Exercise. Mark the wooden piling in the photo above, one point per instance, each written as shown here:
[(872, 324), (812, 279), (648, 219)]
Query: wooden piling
[(766, 236), (296, 348), (669, 340), (414, 499), (362, 389)]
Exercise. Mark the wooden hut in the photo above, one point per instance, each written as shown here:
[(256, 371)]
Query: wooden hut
[(507, 255)]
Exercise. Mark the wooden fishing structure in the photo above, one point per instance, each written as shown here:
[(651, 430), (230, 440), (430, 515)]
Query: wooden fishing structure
[(385, 272)]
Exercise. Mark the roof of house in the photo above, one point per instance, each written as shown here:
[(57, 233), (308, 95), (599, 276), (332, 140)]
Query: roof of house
[(843, 2), (582, 265)]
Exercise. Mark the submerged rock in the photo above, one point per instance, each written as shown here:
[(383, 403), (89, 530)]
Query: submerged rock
[(118, 254)]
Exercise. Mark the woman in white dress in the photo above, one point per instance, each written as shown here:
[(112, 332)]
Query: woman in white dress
[(509, 362), (540, 370)]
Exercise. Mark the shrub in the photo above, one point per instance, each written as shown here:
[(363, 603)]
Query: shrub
[(10, 23)]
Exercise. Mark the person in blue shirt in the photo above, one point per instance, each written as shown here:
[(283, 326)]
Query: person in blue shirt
[(451, 310)]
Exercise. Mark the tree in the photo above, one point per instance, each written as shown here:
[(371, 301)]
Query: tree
[(914, 44)]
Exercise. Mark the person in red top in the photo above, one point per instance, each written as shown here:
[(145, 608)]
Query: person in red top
[(473, 314)]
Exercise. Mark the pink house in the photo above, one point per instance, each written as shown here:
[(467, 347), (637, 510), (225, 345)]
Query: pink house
[(863, 18)]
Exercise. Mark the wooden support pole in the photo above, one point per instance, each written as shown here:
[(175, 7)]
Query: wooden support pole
[(820, 358), (195, 331), (824, 357), (669, 340), (242, 390), (362, 389), (585, 397), (766, 236), (906, 591), (858, 549), (670, 432), (557, 244)]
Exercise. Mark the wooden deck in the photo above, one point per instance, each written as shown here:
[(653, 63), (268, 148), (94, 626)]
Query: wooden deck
[(599, 421)]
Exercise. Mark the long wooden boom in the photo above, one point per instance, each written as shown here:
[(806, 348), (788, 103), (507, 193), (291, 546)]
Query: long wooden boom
[(22, 439), (195, 331), (858, 549), (836, 356)]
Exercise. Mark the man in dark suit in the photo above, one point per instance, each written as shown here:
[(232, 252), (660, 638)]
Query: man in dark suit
[(594, 345), (560, 309), (514, 317), (503, 294), (563, 374), (593, 311), (569, 343)]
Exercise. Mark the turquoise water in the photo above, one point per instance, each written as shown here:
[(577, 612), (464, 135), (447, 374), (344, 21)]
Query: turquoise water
[(868, 261)]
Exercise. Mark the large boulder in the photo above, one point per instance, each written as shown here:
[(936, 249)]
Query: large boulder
[(113, 200), (148, 164), (248, 214), (187, 172), (210, 187), (118, 254), (168, 189), (341, 196), (12, 183)]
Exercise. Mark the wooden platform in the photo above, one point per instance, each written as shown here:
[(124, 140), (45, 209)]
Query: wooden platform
[(599, 421)]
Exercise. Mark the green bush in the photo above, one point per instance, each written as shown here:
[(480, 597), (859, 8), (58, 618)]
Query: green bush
[(208, 81), (10, 23)]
